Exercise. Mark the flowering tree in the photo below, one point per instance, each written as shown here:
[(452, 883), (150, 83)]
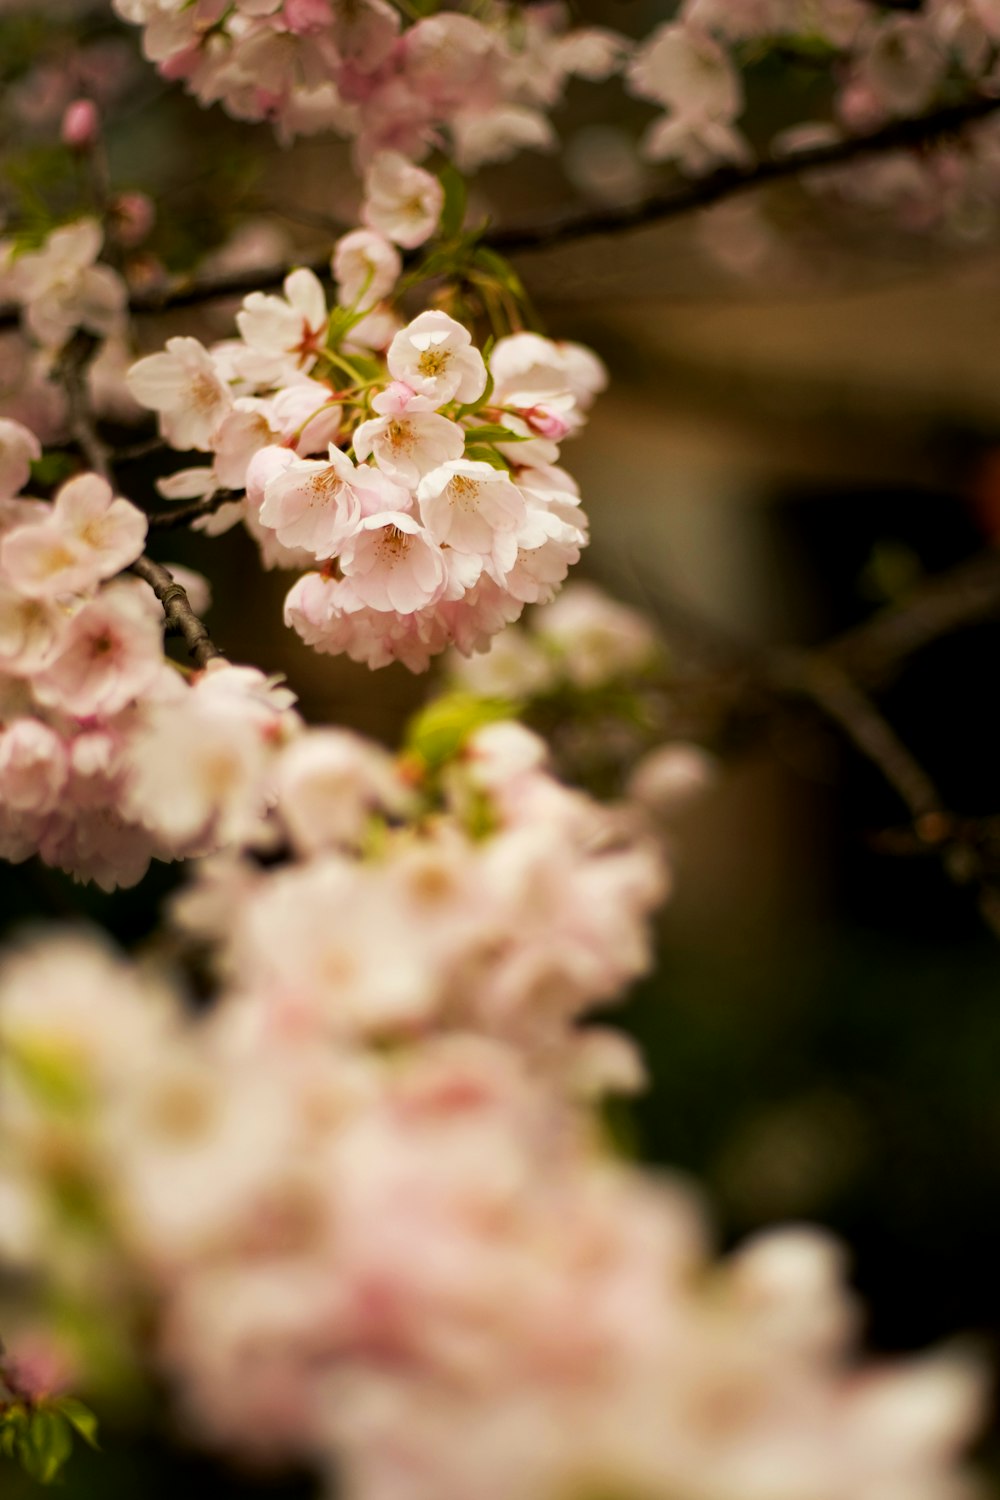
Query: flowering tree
[(360, 1207)]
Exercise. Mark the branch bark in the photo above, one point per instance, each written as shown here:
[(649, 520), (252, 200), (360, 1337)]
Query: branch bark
[(179, 615)]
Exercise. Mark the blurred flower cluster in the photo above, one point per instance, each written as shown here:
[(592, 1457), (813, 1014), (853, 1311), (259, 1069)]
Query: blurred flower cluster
[(365, 1211)]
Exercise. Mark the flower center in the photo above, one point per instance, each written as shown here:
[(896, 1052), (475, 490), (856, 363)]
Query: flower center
[(433, 361)]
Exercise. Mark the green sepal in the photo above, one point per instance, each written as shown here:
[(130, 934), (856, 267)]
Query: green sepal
[(81, 1418), (45, 1444)]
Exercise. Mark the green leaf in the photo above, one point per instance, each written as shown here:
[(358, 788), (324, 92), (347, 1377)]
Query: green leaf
[(500, 269), (455, 202), (53, 1076), (81, 1417), (52, 468), (46, 1445), (441, 730), (491, 432), (483, 454)]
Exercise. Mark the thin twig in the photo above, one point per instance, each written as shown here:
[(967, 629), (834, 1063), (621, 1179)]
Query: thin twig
[(818, 679), (136, 451), (183, 515), (737, 690), (966, 595)]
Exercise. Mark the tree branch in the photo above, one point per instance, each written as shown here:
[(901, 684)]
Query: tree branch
[(820, 680), (71, 373), (177, 610), (732, 693), (183, 515), (728, 182)]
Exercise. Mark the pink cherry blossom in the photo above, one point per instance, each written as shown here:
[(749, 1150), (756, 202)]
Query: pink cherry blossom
[(474, 509), (366, 267), (402, 201), (185, 387), (292, 327), (318, 504), (391, 563), (407, 445), (435, 356)]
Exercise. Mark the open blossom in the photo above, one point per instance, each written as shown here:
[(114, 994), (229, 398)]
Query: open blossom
[(410, 439), (110, 653), (402, 201), (475, 509), (201, 757), (366, 267), (435, 356), (391, 563), (185, 387), (61, 287), (539, 376), (329, 783), (291, 327), (688, 72), (319, 504), (89, 536)]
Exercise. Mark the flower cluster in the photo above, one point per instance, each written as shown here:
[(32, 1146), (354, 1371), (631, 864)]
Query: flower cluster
[(417, 1266), (479, 78), (515, 903), (583, 640), (877, 65), (108, 754), (415, 483)]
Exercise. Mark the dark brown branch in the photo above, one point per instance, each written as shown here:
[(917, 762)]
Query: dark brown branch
[(71, 373), (729, 182), (177, 610), (730, 694), (911, 134)]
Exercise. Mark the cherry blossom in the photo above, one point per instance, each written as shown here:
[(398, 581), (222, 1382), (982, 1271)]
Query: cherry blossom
[(410, 439), (402, 201), (184, 386), (290, 328), (18, 447), (89, 536), (61, 286), (366, 267), (435, 356)]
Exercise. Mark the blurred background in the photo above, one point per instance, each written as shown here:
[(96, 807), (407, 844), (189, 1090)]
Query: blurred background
[(803, 418)]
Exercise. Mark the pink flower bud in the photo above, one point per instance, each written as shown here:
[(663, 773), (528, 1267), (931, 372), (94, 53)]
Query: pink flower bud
[(547, 422), (81, 125), (134, 217)]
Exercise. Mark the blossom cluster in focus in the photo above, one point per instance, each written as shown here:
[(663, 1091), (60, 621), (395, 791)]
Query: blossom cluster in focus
[(412, 482)]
